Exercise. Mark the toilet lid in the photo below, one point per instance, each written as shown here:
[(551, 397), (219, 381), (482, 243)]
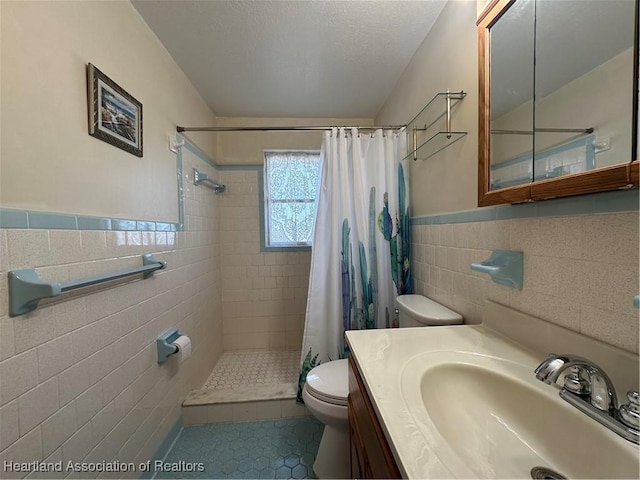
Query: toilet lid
[(329, 382), (427, 311)]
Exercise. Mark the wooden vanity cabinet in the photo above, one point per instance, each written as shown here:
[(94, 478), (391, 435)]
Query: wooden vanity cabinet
[(370, 454)]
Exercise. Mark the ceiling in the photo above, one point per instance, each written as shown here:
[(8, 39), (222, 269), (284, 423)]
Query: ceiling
[(292, 58)]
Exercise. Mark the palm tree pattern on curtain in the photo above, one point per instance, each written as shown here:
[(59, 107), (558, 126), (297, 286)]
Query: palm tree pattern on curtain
[(362, 304)]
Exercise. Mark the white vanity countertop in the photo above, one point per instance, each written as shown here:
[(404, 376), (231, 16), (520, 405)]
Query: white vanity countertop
[(468, 437), (382, 355)]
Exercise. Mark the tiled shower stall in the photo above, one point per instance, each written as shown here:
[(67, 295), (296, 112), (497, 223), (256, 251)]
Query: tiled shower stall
[(263, 308), (264, 294)]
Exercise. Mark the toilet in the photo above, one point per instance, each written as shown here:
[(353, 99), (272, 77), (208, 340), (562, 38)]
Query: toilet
[(419, 311), (327, 386)]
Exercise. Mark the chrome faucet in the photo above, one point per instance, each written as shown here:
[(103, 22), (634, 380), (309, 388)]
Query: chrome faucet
[(586, 379), (588, 388)]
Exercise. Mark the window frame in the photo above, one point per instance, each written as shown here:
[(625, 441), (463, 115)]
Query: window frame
[(265, 223)]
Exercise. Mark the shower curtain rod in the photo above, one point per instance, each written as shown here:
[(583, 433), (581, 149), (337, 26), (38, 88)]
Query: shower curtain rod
[(282, 129)]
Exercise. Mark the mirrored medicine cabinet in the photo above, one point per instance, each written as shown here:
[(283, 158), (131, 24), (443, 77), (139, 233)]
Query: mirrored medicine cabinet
[(558, 103)]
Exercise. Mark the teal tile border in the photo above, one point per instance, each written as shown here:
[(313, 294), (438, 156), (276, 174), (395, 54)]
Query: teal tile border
[(181, 184), (10, 218), (94, 223), (606, 202), (245, 168), (267, 249), (13, 218), (617, 201), (145, 226), (163, 227), (165, 447), (261, 215), (118, 224), (52, 220), (523, 210)]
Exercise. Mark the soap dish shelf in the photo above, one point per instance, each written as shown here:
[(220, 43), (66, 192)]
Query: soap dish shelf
[(505, 268)]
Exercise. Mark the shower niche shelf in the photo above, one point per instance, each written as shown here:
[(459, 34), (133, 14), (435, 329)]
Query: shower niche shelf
[(429, 132)]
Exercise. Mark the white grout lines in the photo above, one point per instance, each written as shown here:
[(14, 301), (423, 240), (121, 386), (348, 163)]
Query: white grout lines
[(258, 367)]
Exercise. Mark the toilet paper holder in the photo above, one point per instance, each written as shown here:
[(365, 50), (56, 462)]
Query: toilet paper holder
[(164, 344)]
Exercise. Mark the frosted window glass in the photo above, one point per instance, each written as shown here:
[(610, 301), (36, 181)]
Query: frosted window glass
[(291, 186)]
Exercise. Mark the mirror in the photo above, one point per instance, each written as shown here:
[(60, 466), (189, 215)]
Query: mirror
[(512, 81), (566, 123)]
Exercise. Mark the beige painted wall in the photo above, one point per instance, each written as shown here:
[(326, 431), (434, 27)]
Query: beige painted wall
[(48, 160), (447, 58), (481, 5), (246, 148)]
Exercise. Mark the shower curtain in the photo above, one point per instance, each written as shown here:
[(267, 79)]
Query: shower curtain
[(361, 243)]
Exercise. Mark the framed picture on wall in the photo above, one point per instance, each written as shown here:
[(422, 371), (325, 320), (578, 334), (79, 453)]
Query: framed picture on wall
[(115, 116)]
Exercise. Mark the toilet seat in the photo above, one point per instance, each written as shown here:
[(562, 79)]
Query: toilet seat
[(329, 382)]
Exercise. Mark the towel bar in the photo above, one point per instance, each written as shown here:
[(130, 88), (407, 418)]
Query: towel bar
[(26, 288)]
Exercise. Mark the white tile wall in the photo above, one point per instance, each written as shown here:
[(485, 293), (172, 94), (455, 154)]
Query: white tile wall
[(580, 272), (78, 377), (264, 295)]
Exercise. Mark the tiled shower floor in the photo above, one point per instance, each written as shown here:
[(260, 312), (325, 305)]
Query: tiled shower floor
[(251, 368), (284, 448), (249, 376)]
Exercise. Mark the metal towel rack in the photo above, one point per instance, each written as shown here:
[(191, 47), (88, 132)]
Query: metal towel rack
[(204, 179), (26, 288)]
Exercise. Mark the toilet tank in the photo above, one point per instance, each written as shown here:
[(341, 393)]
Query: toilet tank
[(420, 311)]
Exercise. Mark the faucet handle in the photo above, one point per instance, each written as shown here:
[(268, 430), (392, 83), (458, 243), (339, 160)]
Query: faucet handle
[(576, 382), (630, 413)]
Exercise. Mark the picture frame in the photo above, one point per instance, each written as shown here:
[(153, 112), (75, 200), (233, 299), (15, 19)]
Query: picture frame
[(115, 116)]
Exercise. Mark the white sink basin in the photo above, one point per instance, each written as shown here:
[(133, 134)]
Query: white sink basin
[(486, 417)]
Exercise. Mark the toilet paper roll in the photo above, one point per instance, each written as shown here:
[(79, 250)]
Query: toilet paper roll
[(184, 347)]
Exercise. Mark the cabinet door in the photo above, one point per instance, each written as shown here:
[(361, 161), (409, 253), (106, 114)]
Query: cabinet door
[(357, 454), (371, 455)]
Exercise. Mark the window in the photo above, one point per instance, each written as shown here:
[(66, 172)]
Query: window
[(291, 181)]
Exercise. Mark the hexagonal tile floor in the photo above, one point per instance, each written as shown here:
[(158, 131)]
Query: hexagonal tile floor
[(284, 448)]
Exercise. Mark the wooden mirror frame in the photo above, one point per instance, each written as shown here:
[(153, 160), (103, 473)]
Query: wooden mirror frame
[(621, 176)]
